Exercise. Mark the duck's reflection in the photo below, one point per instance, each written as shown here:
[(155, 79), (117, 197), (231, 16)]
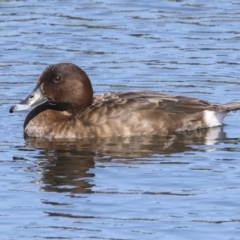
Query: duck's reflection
[(66, 165)]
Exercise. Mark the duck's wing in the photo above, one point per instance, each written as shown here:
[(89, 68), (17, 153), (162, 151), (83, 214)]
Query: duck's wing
[(121, 105), (167, 103)]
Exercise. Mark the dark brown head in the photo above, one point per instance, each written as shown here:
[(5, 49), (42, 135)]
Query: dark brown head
[(64, 84)]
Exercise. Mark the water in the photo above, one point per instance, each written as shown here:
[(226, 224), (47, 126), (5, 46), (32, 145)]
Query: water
[(178, 187)]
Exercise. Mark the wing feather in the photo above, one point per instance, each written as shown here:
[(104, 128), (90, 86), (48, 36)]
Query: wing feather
[(121, 105)]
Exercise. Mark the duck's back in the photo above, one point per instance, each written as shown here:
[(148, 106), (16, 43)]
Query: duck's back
[(153, 100)]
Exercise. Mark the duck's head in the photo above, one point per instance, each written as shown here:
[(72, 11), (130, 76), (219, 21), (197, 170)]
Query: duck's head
[(64, 85)]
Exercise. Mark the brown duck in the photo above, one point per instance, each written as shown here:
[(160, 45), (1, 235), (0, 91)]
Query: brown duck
[(64, 107)]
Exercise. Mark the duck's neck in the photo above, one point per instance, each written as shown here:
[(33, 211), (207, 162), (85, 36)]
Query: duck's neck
[(70, 108)]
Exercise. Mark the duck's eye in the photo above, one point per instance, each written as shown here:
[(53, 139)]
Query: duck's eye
[(57, 79)]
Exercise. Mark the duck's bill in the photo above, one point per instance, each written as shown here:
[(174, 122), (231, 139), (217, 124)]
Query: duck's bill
[(33, 100)]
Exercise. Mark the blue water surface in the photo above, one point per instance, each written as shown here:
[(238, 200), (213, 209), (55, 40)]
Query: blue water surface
[(178, 187)]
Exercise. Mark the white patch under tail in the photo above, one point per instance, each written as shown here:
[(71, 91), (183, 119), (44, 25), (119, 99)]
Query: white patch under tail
[(214, 119)]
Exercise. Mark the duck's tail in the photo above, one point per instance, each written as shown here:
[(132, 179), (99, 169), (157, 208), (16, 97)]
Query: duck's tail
[(226, 107)]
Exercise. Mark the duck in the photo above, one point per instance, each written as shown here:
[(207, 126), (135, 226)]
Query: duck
[(63, 106)]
